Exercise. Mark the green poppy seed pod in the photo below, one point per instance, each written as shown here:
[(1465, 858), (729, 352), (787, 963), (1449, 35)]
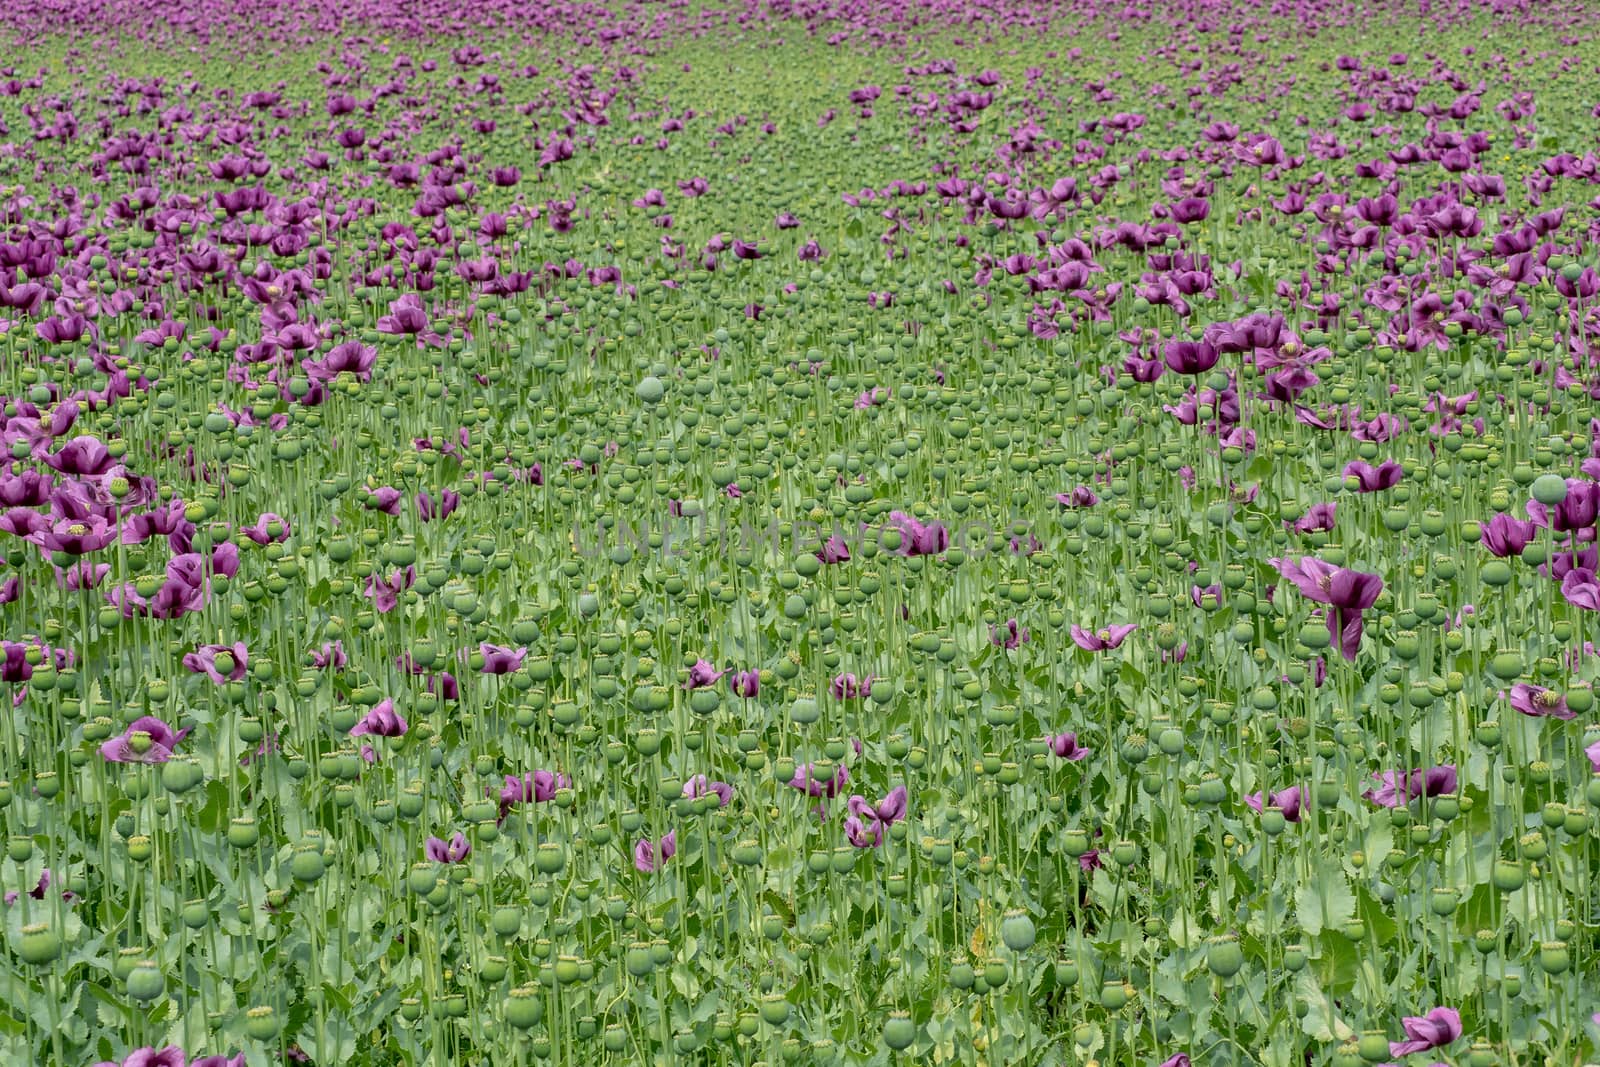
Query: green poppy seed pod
[(1512, 983), (549, 858), (1487, 734), (774, 1009), (567, 969), (1482, 1055), (1580, 698), (1373, 1046), (1355, 931), (1443, 901), (1534, 846), (40, 945), (962, 976), (1224, 957), (1135, 749), (1273, 822), (145, 982), (747, 853), (1549, 489), (524, 1007), (899, 1031), (995, 973), (20, 849), (140, 848), (307, 864), (261, 1023), (1017, 930), (1508, 875), (1113, 996), (1485, 941), (1554, 958), (1576, 822), (1495, 572), (1294, 958)]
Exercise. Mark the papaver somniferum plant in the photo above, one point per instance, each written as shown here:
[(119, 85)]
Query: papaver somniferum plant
[(1051, 533)]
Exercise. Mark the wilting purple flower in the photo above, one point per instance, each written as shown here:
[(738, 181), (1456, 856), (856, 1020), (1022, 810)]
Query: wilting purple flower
[(39, 890), (834, 550), (1100, 640), (849, 687), (867, 823), (1288, 802), (171, 1056), (499, 660), (1434, 1030), (204, 660), (381, 721), (1066, 746), (1372, 479), (745, 683), (453, 851), (648, 857), (920, 538), (1581, 589), (1505, 536), (1080, 497), (386, 499), (1347, 592), (1539, 702), (1396, 789), (806, 781), (332, 655), (267, 529), (701, 785), (703, 675), (537, 787), (155, 745), (385, 593), (430, 510), (1317, 517), (1009, 636)]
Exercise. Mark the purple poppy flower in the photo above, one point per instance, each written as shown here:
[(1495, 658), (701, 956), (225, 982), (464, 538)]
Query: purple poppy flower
[(332, 656), (146, 740), (1396, 789), (1581, 589), (536, 788), (171, 1056), (745, 683), (1539, 702), (703, 675), (867, 823), (1288, 801), (1180, 1060), (386, 499), (1191, 357), (1198, 594), (1370, 479), (834, 550), (430, 510), (920, 538), (381, 721), (1578, 510), (1505, 536), (1317, 518), (1090, 861), (453, 851), (849, 687), (648, 858), (1066, 746), (1080, 497), (268, 529), (1009, 636), (1107, 637), (1593, 752), (700, 785), (237, 1060), (1434, 1030), (213, 660), (83, 456), (73, 536), (806, 781), (385, 593), (499, 660), (1348, 592)]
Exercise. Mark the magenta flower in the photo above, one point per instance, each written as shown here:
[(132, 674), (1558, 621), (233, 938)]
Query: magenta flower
[(498, 660), (385, 593), (1539, 702), (1066, 746), (648, 858), (1180, 1060), (1191, 357), (1593, 752), (745, 683), (701, 785), (849, 687), (1009, 636), (1434, 1030), (220, 663), (74, 537), (703, 675), (1396, 789), (536, 788), (1080, 497), (1317, 518), (1347, 592), (381, 721), (1581, 589), (267, 529), (834, 550), (1288, 802), (1107, 637), (171, 1056), (1578, 510), (920, 538), (1370, 479), (806, 781), (453, 851), (867, 823), (146, 740), (1505, 536), (331, 656)]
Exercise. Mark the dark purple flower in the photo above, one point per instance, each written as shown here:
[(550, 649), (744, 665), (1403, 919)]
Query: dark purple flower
[(1348, 592), (220, 663), (703, 675), (701, 785), (537, 788), (1191, 357), (867, 823), (919, 538), (849, 687), (381, 721), (1288, 801), (267, 529), (806, 781), (1066, 746), (1396, 789), (834, 550), (1505, 536), (1372, 479), (1080, 497), (1434, 1030), (146, 740), (1009, 636), (453, 851), (1539, 702), (499, 660), (649, 857), (745, 683), (1581, 589)]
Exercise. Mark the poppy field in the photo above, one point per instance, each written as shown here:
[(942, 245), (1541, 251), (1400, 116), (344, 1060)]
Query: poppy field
[(799, 532)]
